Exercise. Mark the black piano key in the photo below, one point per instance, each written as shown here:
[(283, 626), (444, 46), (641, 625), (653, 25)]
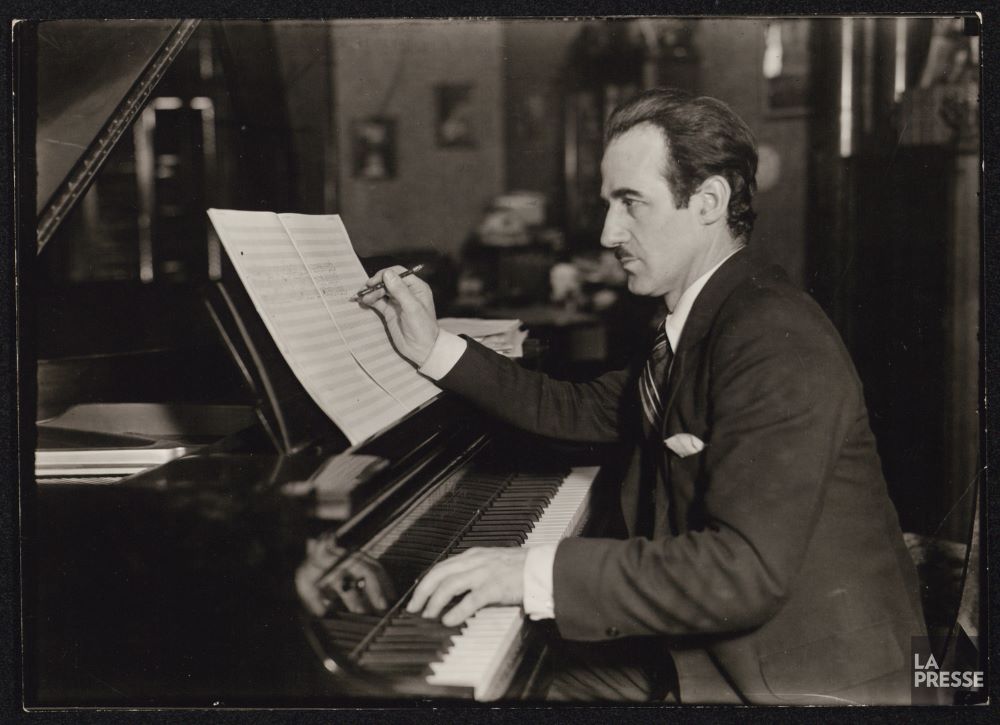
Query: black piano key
[(402, 570), (399, 670), (426, 651), (511, 511), (416, 540), (515, 500), (359, 617), (440, 527), (344, 645), (345, 624), (535, 510), (484, 526), (492, 542), (410, 636), (490, 538), (507, 518), (416, 623), (405, 574), (427, 540), (375, 659), (457, 504), (409, 552), (480, 490), (407, 620), (494, 527), (504, 504)]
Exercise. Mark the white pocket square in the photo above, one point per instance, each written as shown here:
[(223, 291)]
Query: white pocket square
[(684, 444)]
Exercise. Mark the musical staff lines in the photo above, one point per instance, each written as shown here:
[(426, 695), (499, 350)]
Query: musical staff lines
[(299, 271)]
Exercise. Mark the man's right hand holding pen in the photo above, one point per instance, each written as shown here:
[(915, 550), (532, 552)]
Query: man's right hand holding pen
[(407, 306)]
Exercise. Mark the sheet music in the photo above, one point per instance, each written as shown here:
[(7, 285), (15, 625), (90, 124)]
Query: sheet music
[(324, 245), (299, 271)]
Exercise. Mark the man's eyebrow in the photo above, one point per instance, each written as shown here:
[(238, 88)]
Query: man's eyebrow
[(623, 192)]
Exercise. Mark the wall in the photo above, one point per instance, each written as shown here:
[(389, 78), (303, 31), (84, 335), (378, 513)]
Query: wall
[(535, 54), (391, 68), (732, 55)]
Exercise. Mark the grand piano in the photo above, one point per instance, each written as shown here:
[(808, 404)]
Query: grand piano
[(176, 579)]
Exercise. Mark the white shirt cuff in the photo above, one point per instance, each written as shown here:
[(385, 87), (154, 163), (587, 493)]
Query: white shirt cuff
[(538, 601), (448, 348)]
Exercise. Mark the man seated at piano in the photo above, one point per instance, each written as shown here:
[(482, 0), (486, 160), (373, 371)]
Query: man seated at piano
[(764, 561)]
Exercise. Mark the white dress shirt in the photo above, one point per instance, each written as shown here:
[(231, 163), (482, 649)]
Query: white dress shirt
[(448, 348)]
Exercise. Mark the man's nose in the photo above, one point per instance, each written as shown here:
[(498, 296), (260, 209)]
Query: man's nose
[(613, 234)]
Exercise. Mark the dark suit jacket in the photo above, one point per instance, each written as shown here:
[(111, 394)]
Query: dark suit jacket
[(773, 564)]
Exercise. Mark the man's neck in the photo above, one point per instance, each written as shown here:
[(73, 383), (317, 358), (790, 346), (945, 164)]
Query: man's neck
[(715, 254), (677, 318)]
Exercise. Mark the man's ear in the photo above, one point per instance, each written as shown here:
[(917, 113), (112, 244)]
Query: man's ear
[(712, 198)]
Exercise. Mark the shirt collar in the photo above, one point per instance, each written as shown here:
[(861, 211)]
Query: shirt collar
[(675, 320)]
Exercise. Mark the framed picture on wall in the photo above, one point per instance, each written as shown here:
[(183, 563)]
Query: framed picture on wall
[(374, 145), (786, 67), (455, 124)]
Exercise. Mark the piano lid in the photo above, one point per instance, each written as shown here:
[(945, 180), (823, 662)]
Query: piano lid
[(93, 78)]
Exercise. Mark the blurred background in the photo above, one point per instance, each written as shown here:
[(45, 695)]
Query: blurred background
[(474, 147)]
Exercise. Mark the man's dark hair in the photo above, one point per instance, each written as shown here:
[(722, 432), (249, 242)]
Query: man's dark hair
[(704, 138)]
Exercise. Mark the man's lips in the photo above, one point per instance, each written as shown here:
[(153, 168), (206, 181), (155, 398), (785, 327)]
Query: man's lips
[(624, 259)]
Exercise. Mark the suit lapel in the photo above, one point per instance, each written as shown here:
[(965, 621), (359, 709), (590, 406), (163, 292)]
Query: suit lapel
[(734, 271)]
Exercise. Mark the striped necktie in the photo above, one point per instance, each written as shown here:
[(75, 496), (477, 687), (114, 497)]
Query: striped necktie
[(654, 374)]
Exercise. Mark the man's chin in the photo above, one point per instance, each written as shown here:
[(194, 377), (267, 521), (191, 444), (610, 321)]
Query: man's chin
[(643, 287), (636, 285)]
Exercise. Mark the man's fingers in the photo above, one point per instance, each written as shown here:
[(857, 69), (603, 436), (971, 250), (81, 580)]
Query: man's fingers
[(396, 294), (382, 591), (340, 584), (484, 575), (470, 604), (429, 583), (376, 596), (449, 588), (417, 285), (382, 304), (355, 602), (400, 291), (310, 595), (377, 277), (369, 577), (373, 297)]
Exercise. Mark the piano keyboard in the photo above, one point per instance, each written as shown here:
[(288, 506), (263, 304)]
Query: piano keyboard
[(422, 656), (482, 656)]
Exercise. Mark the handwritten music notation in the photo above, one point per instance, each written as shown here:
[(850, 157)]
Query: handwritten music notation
[(300, 271)]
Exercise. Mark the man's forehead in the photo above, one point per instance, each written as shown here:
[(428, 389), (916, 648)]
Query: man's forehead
[(641, 138), (633, 159)]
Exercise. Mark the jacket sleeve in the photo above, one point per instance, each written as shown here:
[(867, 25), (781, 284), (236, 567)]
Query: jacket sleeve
[(781, 388), (598, 411)]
